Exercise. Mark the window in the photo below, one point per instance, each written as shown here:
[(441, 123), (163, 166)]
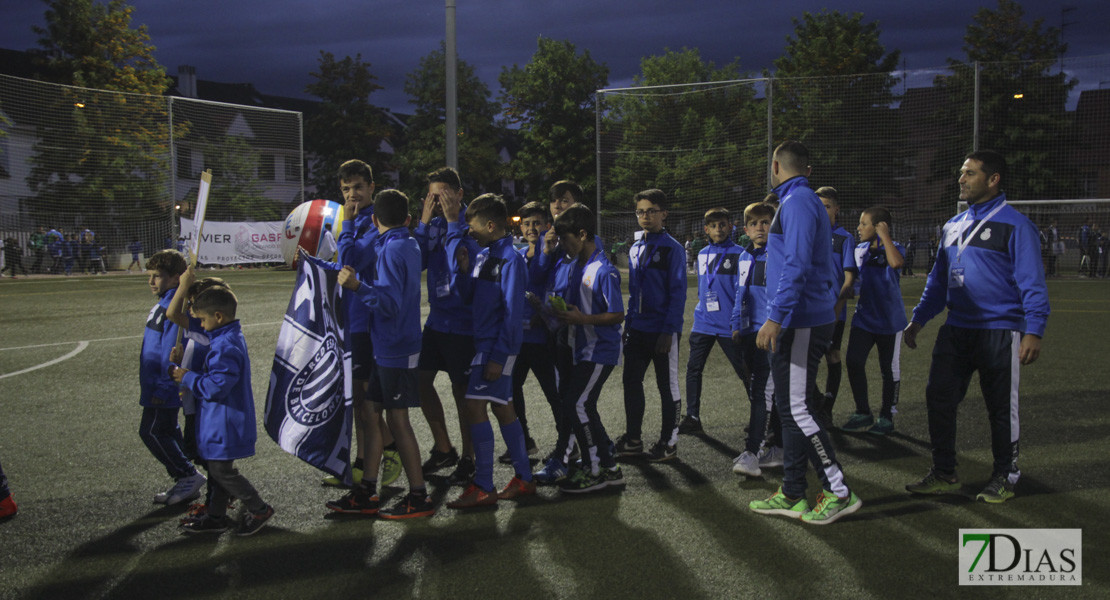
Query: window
[(266, 167), (292, 168)]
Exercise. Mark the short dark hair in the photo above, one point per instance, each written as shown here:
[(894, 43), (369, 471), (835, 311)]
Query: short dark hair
[(170, 261), (446, 175), (756, 210), (656, 197), (488, 207), (391, 207), (560, 189), (993, 162), (717, 214), (534, 209), (574, 219), (216, 299), (771, 198), (879, 214), (203, 284), (355, 168), (793, 155), (828, 192)]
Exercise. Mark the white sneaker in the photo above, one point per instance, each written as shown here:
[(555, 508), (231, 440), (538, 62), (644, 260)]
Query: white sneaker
[(770, 457), (187, 488), (746, 464), (161, 497)]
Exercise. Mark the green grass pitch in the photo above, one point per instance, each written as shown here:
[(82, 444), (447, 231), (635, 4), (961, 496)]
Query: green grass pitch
[(87, 527)]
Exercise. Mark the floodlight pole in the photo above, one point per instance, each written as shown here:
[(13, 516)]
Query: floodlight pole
[(452, 124)]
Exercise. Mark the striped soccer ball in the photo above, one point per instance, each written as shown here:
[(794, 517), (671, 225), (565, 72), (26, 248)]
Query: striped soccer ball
[(304, 227)]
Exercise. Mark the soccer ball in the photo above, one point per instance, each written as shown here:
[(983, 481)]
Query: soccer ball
[(304, 227)]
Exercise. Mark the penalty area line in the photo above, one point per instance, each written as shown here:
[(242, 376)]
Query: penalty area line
[(80, 347)]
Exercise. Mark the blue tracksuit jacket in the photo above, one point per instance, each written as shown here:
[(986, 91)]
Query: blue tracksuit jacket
[(718, 267), (393, 298), (879, 306), (449, 313), (656, 284), (749, 312), (801, 281), (225, 418), (156, 388), (495, 289)]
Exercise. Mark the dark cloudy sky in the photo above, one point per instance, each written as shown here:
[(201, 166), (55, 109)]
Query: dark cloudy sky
[(275, 43)]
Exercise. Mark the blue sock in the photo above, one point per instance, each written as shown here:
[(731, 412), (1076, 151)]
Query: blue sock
[(513, 434), (481, 435)]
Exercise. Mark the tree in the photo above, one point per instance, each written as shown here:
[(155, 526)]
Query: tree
[(236, 188), (552, 100), (101, 158), (1014, 58), (692, 143), (346, 125), (833, 91), (424, 149)]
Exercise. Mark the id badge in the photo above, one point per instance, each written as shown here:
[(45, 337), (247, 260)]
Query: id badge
[(711, 302), (956, 279), (443, 288)]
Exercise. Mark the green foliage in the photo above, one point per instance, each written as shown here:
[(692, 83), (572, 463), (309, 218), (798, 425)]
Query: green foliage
[(552, 100), (236, 189), (101, 156), (1015, 57), (346, 125), (833, 91), (423, 149), (696, 144)]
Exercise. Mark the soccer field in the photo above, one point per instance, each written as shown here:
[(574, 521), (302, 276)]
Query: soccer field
[(83, 480)]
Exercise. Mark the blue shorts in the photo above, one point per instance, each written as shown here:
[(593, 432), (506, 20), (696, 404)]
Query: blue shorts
[(450, 352), (394, 387), (362, 355), (499, 391)]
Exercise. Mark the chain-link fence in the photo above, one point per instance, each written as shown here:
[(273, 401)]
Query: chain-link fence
[(891, 139), (124, 167)]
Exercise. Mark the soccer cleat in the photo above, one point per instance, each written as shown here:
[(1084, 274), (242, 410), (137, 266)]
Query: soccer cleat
[(187, 488), (409, 507), (660, 452), (333, 481), (627, 446), (439, 460), (195, 512), (882, 426), (553, 471), (463, 473), (8, 507), (858, 422), (391, 467), (472, 497), (690, 425), (779, 504), (747, 464), (252, 522), (935, 483), (207, 524), (358, 501), (582, 481), (829, 508), (613, 476), (997, 491), (770, 457), (517, 488)]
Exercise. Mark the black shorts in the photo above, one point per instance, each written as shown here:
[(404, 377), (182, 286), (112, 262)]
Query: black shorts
[(838, 336), (450, 352), (362, 355), (394, 387)]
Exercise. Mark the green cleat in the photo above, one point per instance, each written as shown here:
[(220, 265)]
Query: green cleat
[(391, 467), (829, 508), (882, 426), (997, 491), (779, 504), (935, 483), (333, 481), (857, 423)]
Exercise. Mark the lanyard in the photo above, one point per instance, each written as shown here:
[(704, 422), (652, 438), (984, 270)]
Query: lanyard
[(711, 267), (961, 243), (575, 284)]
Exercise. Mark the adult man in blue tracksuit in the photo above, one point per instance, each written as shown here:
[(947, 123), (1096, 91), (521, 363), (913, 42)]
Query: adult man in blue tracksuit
[(801, 292), (989, 274), (656, 305)]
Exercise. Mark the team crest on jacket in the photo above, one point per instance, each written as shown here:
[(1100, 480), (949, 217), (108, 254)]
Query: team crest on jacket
[(986, 235), (314, 394)]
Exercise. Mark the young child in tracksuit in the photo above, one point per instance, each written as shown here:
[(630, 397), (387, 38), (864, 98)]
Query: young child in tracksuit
[(656, 306), (495, 288), (226, 429), (717, 265), (158, 393), (879, 320), (748, 314)]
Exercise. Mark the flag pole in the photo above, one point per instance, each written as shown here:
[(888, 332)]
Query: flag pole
[(198, 227)]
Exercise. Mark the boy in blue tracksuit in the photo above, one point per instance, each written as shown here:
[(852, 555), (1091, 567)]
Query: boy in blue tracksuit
[(879, 320), (801, 292), (718, 266), (226, 429), (749, 311), (158, 393), (843, 245), (448, 342), (393, 300), (656, 306), (989, 275), (494, 285)]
